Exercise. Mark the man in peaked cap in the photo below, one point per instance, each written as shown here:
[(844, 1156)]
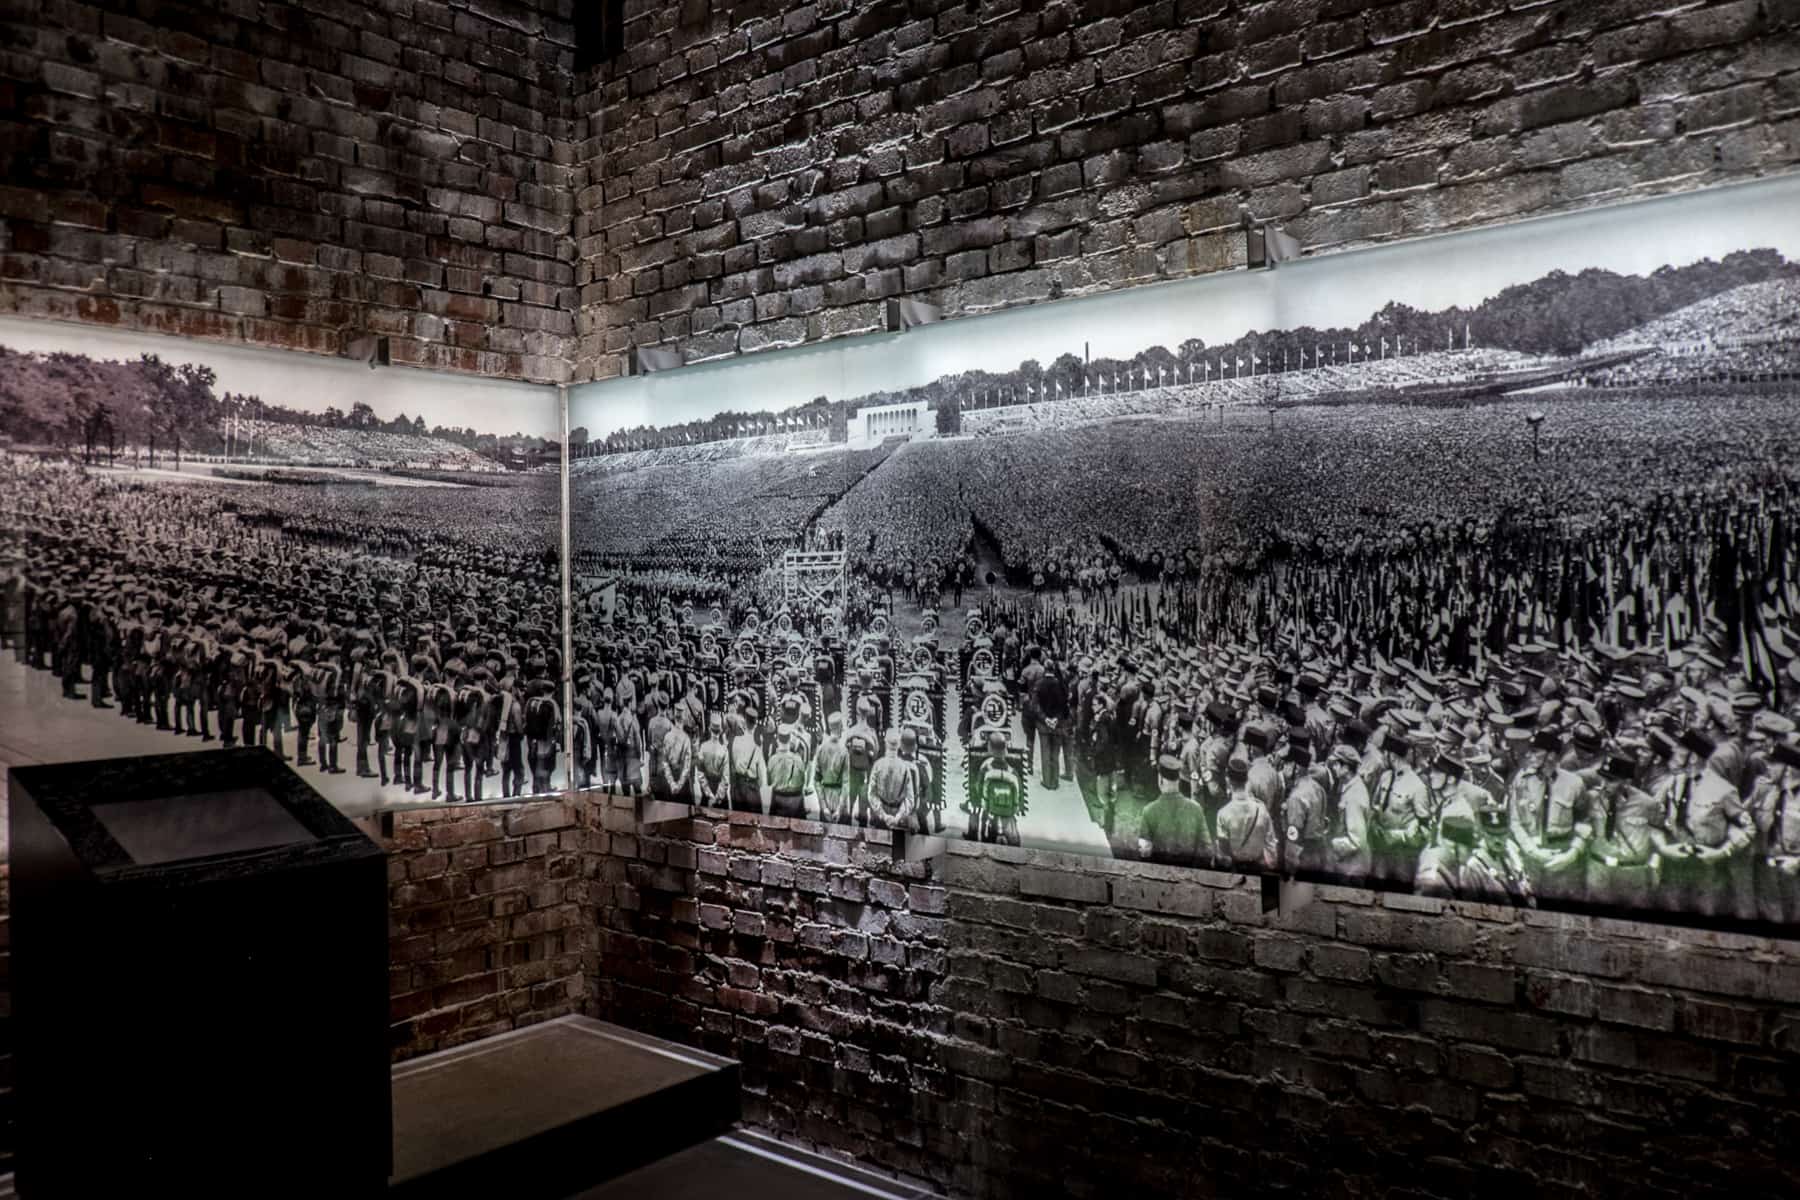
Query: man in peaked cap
[(1211, 787), (1707, 866), (1625, 837), (1245, 830), (1306, 814), (1347, 850), (1402, 816)]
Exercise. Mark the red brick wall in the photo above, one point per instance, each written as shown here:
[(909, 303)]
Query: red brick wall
[(1020, 1023), (295, 173), (489, 925)]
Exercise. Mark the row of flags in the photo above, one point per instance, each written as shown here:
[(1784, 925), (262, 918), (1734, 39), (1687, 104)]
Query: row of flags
[(1203, 370), (1728, 579)]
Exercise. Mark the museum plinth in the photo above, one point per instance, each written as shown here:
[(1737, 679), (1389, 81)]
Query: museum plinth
[(199, 982)]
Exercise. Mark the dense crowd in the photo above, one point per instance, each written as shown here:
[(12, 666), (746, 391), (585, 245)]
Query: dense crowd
[(726, 517), (331, 446), (420, 629), (1331, 645)]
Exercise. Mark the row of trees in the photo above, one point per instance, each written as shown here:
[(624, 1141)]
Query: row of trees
[(1558, 313), (96, 407)]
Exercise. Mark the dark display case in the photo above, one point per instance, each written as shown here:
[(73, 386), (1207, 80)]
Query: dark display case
[(199, 981)]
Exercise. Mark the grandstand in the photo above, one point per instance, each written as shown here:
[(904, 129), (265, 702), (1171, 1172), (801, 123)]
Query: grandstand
[(1745, 335), (330, 446), (1438, 368), (704, 452)]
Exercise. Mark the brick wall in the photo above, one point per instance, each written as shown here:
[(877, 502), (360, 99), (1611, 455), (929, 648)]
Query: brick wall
[(295, 173), (489, 928), (1020, 1023), (760, 174)]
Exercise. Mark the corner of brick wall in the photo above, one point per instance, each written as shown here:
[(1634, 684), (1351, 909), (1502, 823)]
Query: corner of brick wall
[(489, 922), (296, 174), (761, 174)]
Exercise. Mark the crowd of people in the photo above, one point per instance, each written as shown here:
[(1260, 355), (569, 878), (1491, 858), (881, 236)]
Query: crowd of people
[(325, 445), (1335, 645), (734, 514), (413, 637)]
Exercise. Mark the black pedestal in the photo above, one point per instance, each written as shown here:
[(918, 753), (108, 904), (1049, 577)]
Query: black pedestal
[(199, 963)]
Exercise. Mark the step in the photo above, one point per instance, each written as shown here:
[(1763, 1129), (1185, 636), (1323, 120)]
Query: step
[(551, 1109), (749, 1166)]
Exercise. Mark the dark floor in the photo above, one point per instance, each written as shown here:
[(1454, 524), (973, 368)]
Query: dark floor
[(748, 1167)]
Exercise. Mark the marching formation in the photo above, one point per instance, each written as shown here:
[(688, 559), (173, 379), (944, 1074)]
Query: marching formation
[(422, 655)]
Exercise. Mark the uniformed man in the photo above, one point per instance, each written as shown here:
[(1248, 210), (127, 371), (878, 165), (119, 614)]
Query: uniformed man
[(610, 739), (1474, 856), (656, 728), (892, 787), (1245, 832), (1172, 828), (328, 694), (306, 708), (1542, 818), (630, 734), (1708, 867), (830, 770), (1306, 814), (1775, 807), (922, 781), (749, 770), (676, 753), (474, 710), (1400, 813), (712, 779), (1625, 838), (997, 801), (446, 739), (787, 775), (509, 737), (861, 747), (1348, 849)]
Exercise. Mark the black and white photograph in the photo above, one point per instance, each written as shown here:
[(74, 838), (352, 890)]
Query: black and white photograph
[(1461, 567), (211, 546)]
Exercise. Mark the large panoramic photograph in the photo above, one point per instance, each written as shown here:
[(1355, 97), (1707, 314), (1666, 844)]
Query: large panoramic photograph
[(212, 546), (1463, 567)]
